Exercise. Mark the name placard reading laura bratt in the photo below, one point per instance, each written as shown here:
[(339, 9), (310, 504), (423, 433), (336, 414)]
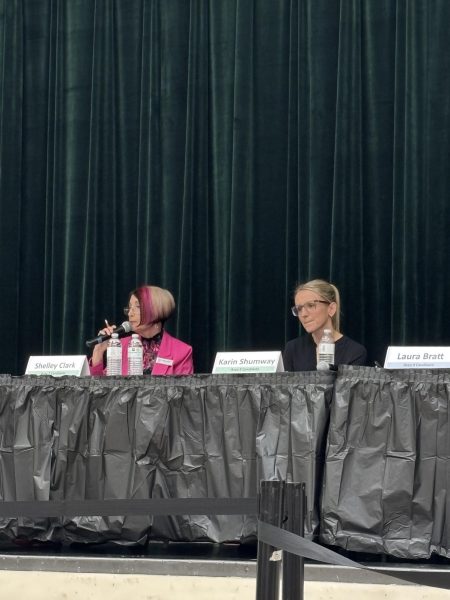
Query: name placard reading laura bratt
[(417, 357), (248, 362), (58, 365)]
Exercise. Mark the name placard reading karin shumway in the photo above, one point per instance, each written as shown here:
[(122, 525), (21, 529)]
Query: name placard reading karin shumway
[(248, 362)]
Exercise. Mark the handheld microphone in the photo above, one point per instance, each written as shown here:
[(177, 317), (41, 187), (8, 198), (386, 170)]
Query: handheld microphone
[(124, 328)]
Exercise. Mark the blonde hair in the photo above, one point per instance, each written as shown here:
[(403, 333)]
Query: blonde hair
[(328, 292), (157, 304)]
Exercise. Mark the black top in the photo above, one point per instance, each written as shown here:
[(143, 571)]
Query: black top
[(300, 354)]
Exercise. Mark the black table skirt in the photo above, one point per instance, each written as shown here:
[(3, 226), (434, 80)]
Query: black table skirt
[(147, 437), (387, 477), (371, 445)]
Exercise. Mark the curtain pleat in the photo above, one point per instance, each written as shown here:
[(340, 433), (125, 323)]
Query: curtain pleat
[(225, 150)]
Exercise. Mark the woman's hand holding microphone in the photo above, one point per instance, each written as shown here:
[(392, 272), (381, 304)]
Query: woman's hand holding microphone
[(100, 349)]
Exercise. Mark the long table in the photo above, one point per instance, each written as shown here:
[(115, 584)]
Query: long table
[(371, 446)]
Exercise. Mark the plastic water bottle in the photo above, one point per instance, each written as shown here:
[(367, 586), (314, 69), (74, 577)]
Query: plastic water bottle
[(114, 356), (135, 357), (326, 350)]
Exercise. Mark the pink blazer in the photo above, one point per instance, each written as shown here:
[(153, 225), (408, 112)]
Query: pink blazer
[(174, 358)]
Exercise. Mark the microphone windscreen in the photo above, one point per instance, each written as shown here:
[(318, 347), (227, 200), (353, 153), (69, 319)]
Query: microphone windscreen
[(126, 327)]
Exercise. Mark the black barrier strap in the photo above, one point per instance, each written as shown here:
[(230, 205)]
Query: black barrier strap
[(108, 508), (267, 533), (289, 542)]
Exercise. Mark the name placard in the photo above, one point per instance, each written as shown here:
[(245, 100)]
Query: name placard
[(58, 365), (417, 357), (248, 362)]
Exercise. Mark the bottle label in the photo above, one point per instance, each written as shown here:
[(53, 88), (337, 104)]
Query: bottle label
[(135, 352), (114, 359), (326, 353), (326, 348), (135, 360), (114, 352)]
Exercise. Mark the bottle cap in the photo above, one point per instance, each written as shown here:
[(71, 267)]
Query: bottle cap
[(134, 335), (115, 335)]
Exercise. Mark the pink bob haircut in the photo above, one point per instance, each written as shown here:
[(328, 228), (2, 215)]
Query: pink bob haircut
[(156, 303)]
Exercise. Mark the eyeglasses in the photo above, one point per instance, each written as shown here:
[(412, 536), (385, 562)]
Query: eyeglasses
[(308, 306), (128, 309)]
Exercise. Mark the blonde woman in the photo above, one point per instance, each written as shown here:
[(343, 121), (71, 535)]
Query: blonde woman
[(317, 307)]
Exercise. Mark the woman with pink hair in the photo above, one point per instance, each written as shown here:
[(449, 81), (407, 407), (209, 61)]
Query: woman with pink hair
[(148, 309)]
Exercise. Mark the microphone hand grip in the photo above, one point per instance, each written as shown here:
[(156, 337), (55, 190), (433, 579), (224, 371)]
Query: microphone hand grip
[(98, 340), (124, 328)]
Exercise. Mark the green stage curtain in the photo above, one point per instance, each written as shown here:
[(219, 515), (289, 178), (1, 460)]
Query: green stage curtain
[(224, 149)]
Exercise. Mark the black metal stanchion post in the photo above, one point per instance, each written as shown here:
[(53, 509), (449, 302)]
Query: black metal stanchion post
[(270, 511), (293, 566)]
